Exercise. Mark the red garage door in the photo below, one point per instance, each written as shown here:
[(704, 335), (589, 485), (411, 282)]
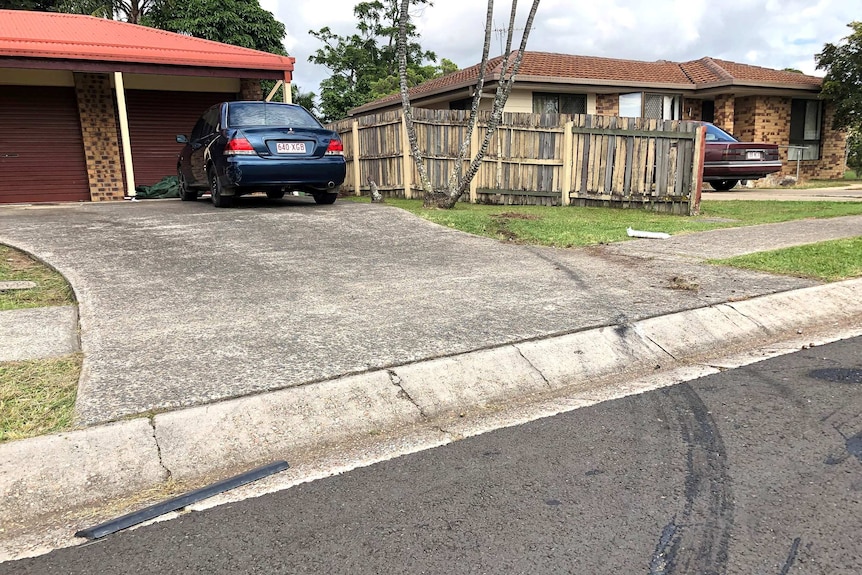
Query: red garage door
[(155, 119), (42, 150)]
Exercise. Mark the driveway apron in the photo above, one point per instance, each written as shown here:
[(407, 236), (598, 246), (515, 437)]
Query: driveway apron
[(184, 304)]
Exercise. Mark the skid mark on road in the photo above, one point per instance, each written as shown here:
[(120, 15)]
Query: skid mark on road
[(697, 539)]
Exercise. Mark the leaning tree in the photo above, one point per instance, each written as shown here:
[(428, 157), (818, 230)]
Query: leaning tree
[(459, 181)]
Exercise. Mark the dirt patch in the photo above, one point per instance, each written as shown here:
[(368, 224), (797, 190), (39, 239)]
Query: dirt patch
[(685, 284), (515, 216)]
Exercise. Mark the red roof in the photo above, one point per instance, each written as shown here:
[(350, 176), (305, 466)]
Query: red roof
[(52, 35), (550, 68)]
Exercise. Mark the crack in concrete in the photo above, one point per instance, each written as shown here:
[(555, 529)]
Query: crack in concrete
[(749, 318), (536, 369), (657, 344), (396, 381), (152, 422)]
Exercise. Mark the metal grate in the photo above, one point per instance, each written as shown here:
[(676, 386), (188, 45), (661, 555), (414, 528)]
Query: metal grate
[(653, 106)]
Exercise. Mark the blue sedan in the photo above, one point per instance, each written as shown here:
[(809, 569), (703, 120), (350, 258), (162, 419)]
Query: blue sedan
[(237, 148)]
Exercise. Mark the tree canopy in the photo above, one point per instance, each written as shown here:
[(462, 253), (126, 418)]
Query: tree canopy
[(843, 80), (237, 22), (364, 65)]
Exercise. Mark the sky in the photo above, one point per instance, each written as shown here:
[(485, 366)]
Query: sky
[(771, 33)]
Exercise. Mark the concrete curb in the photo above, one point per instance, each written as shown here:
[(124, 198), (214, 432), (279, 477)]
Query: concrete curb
[(48, 474), (49, 332)]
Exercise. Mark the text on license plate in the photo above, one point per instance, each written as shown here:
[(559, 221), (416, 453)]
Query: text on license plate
[(294, 147), (753, 155)]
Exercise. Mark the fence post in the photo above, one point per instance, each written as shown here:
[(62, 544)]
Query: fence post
[(357, 178), (697, 171), (568, 162), (474, 149), (406, 166)]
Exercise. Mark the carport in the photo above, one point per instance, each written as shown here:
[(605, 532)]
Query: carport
[(90, 107)]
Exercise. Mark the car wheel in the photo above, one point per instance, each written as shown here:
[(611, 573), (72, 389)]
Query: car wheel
[(186, 194), (217, 191), (325, 198), (723, 185), (275, 194)]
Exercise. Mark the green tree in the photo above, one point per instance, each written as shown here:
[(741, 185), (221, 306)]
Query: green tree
[(304, 99), (37, 5), (132, 11), (843, 80), (854, 152), (364, 65), (237, 22)]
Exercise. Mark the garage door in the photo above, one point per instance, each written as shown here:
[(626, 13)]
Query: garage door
[(42, 150), (155, 119)]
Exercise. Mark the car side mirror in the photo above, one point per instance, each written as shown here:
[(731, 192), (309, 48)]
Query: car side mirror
[(181, 139)]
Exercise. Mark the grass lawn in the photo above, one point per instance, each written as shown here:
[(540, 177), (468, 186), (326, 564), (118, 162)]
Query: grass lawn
[(37, 396), (51, 288), (828, 261), (571, 226)]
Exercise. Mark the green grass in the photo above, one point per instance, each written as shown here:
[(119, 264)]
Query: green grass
[(51, 288), (812, 184), (828, 261), (37, 396), (571, 226)]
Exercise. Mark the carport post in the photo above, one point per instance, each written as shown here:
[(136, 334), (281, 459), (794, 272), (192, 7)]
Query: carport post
[(126, 142)]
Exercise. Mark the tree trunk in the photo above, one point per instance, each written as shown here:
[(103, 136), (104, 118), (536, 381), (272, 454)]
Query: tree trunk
[(458, 183)]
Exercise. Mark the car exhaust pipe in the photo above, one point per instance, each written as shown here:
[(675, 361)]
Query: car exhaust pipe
[(330, 185)]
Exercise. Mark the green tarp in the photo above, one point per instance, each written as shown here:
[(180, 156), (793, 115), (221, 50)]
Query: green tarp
[(168, 187)]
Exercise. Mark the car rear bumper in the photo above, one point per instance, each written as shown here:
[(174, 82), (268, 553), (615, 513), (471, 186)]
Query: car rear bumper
[(739, 170), (252, 171)]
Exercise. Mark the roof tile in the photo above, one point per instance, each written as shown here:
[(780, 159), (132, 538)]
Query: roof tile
[(78, 37), (592, 68)]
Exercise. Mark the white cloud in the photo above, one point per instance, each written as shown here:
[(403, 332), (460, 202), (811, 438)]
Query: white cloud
[(772, 33)]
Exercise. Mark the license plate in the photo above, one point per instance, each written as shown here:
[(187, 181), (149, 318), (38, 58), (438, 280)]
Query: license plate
[(753, 155), (290, 147)]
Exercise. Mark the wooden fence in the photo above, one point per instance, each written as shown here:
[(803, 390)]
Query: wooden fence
[(547, 159)]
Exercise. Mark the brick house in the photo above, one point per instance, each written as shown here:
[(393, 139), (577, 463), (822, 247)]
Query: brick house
[(753, 103), (91, 107)]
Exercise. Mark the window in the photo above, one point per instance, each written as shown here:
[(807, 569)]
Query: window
[(805, 119), (462, 104), (659, 106), (547, 103), (250, 114)]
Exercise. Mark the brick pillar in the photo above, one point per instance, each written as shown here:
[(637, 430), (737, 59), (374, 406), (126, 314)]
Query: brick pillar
[(832, 146), (724, 112), (249, 89), (607, 104), (101, 141), (692, 109)]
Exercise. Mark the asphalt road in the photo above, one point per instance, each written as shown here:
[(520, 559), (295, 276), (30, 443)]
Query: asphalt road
[(757, 470)]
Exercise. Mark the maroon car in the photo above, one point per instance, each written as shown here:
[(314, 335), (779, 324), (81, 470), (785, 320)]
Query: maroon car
[(728, 160)]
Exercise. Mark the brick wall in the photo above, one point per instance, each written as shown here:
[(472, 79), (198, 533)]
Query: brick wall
[(768, 120), (249, 89), (607, 104), (832, 147), (692, 109), (724, 112), (101, 141), (745, 119)]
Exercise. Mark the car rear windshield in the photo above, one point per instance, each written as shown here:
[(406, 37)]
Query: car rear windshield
[(250, 114), (716, 134)]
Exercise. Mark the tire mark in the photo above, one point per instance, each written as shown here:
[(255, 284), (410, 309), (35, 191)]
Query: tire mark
[(791, 557), (699, 541)]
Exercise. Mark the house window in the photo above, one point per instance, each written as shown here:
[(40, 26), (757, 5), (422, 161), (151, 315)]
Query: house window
[(462, 104), (805, 119), (547, 103), (646, 105)]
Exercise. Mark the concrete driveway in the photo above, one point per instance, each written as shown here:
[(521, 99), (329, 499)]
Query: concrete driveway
[(851, 193), (184, 304)]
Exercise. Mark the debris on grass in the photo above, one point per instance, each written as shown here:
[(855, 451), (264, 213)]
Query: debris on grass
[(648, 235)]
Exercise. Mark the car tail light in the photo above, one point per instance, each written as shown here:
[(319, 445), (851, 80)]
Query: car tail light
[(238, 147), (335, 148)]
